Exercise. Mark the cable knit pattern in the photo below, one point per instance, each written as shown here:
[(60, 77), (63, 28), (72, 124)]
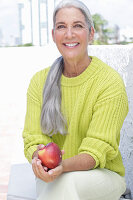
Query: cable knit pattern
[(94, 104)]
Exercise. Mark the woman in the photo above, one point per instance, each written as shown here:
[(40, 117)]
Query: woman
[(80, 103)]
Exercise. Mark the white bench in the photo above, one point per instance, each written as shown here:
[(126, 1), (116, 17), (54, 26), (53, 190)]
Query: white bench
[(22, 181)]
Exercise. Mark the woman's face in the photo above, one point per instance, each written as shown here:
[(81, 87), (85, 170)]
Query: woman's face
[(71, 33)]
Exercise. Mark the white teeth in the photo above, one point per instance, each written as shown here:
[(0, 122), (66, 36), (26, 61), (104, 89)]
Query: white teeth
[(71, 45)]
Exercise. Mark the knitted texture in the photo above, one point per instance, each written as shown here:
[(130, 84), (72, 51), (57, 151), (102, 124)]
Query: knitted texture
[(94, 104)]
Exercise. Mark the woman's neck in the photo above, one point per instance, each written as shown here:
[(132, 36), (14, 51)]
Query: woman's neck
[(73, 69)]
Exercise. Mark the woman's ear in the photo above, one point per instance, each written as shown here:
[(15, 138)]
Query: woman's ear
[(53, 35), (91, 35)]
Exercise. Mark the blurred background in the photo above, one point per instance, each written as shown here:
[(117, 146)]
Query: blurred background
[(29, 22), (26, 47)]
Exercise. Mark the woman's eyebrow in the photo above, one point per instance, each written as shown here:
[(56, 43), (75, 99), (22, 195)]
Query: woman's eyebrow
[(75, 22), (60, 23)]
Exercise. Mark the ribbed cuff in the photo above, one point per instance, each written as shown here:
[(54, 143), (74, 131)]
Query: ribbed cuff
[(97, 149), (93, 156)]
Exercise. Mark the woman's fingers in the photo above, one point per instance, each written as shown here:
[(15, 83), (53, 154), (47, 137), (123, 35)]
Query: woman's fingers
[(40, 146), (45, 168), (40, 171), (63, 152), (37, 167), (34, 166), (56, 171)]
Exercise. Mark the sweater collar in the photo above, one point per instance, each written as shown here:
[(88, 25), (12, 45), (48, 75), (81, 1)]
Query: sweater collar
[(93, 68)]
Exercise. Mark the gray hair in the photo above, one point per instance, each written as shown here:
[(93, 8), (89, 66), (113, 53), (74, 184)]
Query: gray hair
[(52, 120), (76, 4)]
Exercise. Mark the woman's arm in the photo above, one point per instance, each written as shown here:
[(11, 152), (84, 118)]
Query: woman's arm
[(32, 133), (78, 163)]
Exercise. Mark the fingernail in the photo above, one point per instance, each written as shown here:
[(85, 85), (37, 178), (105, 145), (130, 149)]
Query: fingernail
[(41, 146), (50, 172), (38, 162)]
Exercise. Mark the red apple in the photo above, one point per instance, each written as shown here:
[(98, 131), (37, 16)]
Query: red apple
[(50, 155)]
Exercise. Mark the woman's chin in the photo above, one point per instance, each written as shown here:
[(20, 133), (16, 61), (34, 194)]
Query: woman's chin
[(70, 57)]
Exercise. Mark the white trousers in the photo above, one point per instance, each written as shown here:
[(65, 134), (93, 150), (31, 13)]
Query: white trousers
[(97, 184)]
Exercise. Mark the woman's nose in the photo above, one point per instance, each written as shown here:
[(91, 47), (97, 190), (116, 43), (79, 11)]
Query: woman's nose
[(69, 32)]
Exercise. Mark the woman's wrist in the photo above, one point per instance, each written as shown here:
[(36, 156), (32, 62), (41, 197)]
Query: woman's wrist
[(79, 162)]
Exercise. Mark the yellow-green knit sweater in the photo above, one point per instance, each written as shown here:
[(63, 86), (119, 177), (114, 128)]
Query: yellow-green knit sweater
[(95, 105)]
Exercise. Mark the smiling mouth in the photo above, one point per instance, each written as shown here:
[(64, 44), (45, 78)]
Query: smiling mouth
[(71, 44)]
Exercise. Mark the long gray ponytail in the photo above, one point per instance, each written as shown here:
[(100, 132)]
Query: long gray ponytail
[(52, 120)]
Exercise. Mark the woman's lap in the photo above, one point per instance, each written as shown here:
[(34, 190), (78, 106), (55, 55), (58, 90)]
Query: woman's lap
[(97, 184)]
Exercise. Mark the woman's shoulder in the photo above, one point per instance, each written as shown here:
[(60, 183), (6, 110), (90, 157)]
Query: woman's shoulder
[(38, 79), (108, 79), (40, 76), (108, 72)]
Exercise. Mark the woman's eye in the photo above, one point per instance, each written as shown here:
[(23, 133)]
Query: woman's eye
[(78, 26), (60, 27)]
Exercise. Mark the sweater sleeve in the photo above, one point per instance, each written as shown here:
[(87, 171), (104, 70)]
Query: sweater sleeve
[(32, 133), (103, 135)]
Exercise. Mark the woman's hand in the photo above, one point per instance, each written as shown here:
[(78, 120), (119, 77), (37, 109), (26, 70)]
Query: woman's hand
[(42, 172)]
